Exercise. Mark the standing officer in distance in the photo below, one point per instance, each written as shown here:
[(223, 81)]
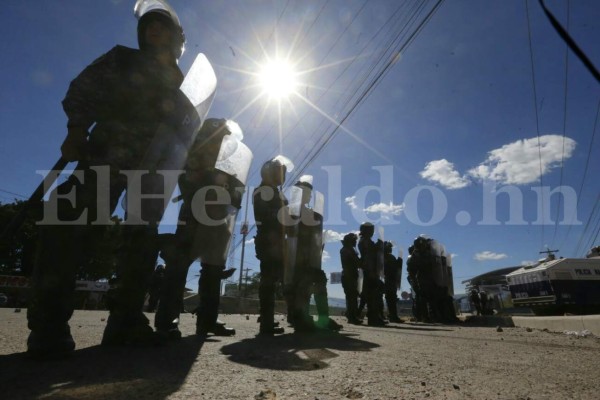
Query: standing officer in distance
[(350, 267), (272, 220)]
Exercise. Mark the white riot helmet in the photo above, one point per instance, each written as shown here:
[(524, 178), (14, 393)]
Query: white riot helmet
[(275, 169), (147, 11)]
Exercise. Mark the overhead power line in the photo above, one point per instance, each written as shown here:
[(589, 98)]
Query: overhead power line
[(569, 40), (562, 156), (364, 94), (535, 107)]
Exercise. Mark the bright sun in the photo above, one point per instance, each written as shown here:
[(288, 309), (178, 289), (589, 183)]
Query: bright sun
[(278, 79)]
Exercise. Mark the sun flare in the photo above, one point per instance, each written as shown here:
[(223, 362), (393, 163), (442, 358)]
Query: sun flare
[(278, 79)]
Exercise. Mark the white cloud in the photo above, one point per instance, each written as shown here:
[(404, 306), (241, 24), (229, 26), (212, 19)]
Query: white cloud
[(330, 236), (385, 209), (443, 172), (325, 256), (488, 255), (250, 241), (519, 162), (351, 201)]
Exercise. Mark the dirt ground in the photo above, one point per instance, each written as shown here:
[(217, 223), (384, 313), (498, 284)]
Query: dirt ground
[(400, 361)]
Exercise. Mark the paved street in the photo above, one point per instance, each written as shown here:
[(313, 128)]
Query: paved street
[(401, 361)]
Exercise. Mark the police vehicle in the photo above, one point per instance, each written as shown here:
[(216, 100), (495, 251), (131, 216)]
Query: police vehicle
[(554, 286)]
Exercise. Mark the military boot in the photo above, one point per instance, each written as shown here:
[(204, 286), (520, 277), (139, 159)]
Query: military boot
[(327, 323), (50, 343), (393, 312), (130, 330)]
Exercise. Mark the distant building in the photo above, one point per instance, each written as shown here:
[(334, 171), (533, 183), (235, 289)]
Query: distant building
[(88, 294)]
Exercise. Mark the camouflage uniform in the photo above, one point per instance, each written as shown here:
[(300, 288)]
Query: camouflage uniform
[(125, 93)]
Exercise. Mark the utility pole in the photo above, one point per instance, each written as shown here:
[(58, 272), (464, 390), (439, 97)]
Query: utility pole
[(244, 232), (246, 281), (549, 252)]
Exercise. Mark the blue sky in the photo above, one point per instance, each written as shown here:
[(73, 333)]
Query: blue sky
[(456, 112)]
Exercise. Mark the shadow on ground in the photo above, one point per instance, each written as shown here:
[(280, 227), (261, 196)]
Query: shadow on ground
[(489, 320), (421, 327), (101, 373), (293, 352)]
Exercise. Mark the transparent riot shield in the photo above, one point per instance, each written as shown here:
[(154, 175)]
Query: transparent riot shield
[(359, 282), (290, 260), (314, 228), (449, 275), (156, 176), (380, 253), (399, 274), (295, 195), (215, 206), (305, 238), (234, 159), (315, 224), (319, 203), (438, 256), (294, 207)]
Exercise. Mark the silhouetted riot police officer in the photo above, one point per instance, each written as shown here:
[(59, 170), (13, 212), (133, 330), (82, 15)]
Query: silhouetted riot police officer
[(272, 220), (392, 270), (350, 267), (372, 285), (114, 107), (211, 189), (305, 250)]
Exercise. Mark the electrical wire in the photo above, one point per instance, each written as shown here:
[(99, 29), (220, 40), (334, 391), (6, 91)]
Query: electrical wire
[(364, 94), (537, 119), (584, 176), (562, 156)]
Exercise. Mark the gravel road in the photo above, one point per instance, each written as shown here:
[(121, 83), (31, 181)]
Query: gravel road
[(400, 361)]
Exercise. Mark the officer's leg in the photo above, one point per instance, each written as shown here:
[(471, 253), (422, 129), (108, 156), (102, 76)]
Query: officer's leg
[(373, 312), (59, 256), (266, 295), (51, 296), (353, 304), (209, 287), (351, 294), (422, 307), (364, 296), (391, 299), (174, 252), (136, 261), (127, 324), (289, 294), (302, 320), (380, 301), (320, 290)]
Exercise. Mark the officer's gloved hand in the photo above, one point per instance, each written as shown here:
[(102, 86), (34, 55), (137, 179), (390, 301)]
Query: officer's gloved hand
[(227, 273), (74, 147)]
